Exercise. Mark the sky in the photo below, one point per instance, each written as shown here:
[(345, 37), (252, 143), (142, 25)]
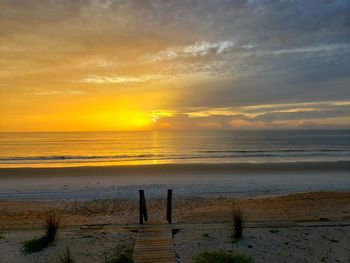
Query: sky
[(105, 65)]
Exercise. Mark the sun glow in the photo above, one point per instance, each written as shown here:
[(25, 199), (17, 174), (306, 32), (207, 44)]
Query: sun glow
[(107, 65), (103, 113), (123, 120)]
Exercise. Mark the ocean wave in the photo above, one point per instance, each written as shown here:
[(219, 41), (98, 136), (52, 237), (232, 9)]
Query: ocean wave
[(263, 151), (196, 155)]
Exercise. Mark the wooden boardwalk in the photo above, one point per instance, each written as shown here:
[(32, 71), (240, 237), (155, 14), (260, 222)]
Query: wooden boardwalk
[(154, 244)]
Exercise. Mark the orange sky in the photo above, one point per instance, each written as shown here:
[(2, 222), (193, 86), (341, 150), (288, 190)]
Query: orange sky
[(141, 65)]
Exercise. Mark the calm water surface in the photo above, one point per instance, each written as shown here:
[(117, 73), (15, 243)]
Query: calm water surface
[(119, 148)]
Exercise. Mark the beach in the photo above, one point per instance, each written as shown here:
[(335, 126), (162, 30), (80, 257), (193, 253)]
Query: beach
[(187, 180), (278, 229), (294, 197), (291, 210)]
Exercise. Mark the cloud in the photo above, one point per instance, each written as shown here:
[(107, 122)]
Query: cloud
[(116, 79), (103, 3), (197, 49), (97, 79), (99, 62), (223, 57), (311, 49), (273, 117), (302, 115), (59, 92)]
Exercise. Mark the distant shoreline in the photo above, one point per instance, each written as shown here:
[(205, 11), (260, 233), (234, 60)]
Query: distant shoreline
[(177, 168)]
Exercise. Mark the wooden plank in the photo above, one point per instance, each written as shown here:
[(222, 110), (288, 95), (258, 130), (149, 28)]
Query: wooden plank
[(154, 244)]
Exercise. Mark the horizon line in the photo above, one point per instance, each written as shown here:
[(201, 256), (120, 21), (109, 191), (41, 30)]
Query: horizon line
[(182, 130)]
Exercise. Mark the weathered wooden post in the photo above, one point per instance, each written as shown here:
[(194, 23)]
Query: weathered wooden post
[(168, 207), (145, 214), (141, 193), (142, 207)]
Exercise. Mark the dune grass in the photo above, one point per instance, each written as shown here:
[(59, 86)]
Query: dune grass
[(222, 256), (66, 257), (51, 227), (238, 221), (34, 245), (122, 254), (38, 244)]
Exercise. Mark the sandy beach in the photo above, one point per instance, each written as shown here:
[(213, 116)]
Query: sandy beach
[(316, 206), (187, 180), (295, 212), (308, 227)]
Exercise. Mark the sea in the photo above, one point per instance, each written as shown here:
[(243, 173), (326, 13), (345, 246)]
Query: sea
[(65, 149)]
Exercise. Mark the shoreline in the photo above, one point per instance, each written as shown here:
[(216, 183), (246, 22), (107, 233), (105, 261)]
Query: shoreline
[(180, 167), (187, 180)]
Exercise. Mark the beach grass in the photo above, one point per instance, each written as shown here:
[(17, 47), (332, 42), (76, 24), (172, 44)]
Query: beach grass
[(206, 235), (34, 245), (66, 257), (51, 227), (238, 221), (221, 256), (122, 254), (52, 224), (38, 244)]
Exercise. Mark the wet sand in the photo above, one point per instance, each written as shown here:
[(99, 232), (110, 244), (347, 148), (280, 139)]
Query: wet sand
[(175, 169), (187, 180)]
